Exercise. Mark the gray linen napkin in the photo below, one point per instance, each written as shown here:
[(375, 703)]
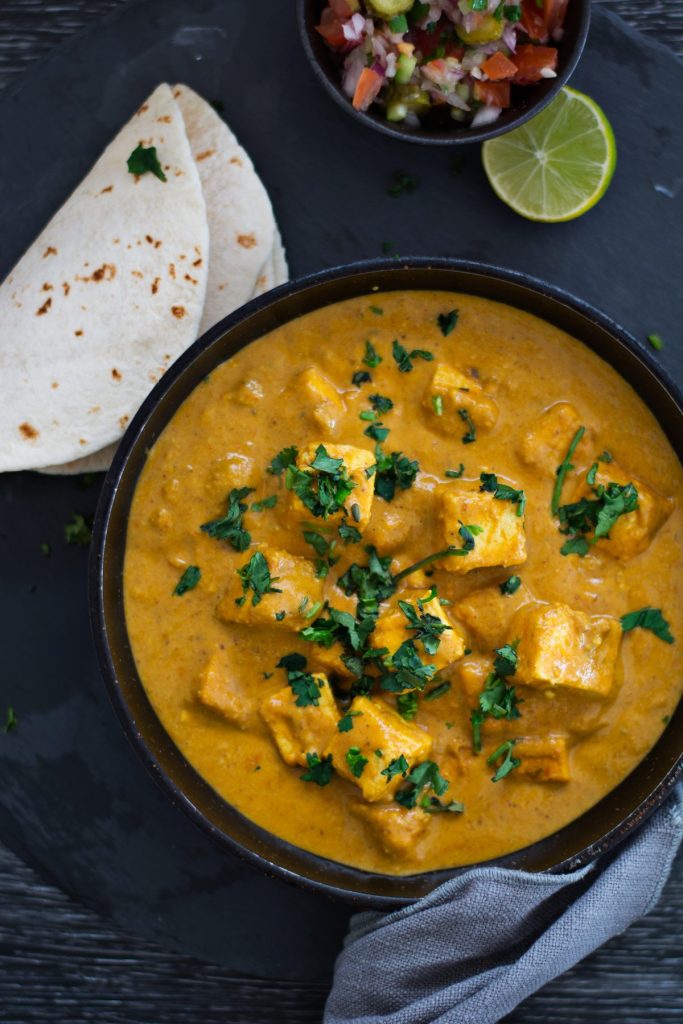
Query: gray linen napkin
[(481, 943)]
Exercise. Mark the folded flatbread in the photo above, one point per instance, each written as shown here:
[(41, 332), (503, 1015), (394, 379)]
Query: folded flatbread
[(124, 277)]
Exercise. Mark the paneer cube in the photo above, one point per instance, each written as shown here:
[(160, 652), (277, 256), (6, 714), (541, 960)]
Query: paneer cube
[(356, 462), (395, 829), (633, 531), (502, 540), (377, 727), (471, 675), (546, 443), (300, 731), (391, 527), (451, 391), (220, 691), (249, 393), (298, 593), (561, 647), (230, 471), (393, 629), (321, 397), (487, 614), (543, 760)]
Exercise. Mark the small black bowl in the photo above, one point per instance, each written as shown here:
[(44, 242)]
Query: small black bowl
[(596, 831), (529, 99)]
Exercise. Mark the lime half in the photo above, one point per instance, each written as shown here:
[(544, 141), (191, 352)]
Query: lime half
[(556, 166)]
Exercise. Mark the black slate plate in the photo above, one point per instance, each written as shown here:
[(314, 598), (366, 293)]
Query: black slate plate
[(76, 803)]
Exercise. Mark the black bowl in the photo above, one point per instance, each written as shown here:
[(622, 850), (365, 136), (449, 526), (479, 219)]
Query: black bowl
[(596, 831), (529, 99)]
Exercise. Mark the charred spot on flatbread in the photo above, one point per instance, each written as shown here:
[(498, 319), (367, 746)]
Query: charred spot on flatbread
[(247, 241), (50, 251), (28, 431), (178, 312), (116, 374), (44, 308)]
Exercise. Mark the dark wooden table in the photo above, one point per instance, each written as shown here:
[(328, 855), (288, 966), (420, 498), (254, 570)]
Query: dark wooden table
[(61, 962)]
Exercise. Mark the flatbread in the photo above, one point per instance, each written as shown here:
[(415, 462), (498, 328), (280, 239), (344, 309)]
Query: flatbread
[(273, 273), (105, 299), (241, 220)]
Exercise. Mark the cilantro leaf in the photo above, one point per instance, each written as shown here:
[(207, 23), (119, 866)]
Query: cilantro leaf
[(361, 377), (447, 321), (355, 761), (406, 705), (324, 487), (78, 531), (503, 492), (283, 459), (188, 581), (349, 534), (563, 469), (394, 471), (229, 527), (508, 764), (293, 662), (269, 502), (424, 776), (455, 474), (437, 691), (324, 549), (372, 358), (471, 434), (377, 432), (345, 723), (648, 618), (319, 769), (406, 671), (397, 766), (255, 576), (511, 585), (381, 404), (144, 159), (404, 359), (575, 546), (427, 628)]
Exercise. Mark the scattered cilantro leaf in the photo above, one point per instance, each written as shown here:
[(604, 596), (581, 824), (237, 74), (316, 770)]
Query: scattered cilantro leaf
[(377, 310), (397, 766), (437, 404), (11, 720), (406, 705), (78, 531), (406, 670), (425, 776), (144, 159), (503, 492), (324, 487), (427, 628), (361, 377), (656, 342), (269, 502), (372, 358), (563, 469), (188, 581), (324, 549), (349, 534), (648, 618), (393, 471), (345, 723), (471, 434), (255, 576), (508, 764), (511, 585), (404, 359), (381, 404), (447, 321), (319, 769), (229, 527), (355, 761), (283, 459), (455, 474), (437, 691), (377, 432)]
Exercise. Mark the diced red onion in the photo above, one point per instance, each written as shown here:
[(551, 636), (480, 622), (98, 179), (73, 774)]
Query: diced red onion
[(485, 115), (510, 36), (354, 28), (353, 68)]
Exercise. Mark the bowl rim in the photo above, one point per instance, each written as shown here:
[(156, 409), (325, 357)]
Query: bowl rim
[(135, 436), (436, 138)]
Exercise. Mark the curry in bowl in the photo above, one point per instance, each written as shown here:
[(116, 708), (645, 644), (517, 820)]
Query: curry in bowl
[(402, 580)]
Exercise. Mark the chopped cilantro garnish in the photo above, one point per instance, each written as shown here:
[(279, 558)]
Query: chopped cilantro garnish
[(432, 805), (255, 576), (562, 470), (367, 415), (428, 628), (283, 459), (319, 769), (394, 471), (447, 321), (377, 432), (142, 160), (404, 358), (406, 705), (361, 377), (507, 764), (511, 585), (590, 475), (372, 358), (605, 457), (648, 618), (381, 404), (423, 776), (455, 474), (355, 761), (575, 546), (324, 487), (406, 670), (471, 434), (11, 720), (437, 691), (489, 483), (229, 527), (377, 310), (656, 342), (371, 583), (349, 534), (345, 723), (324, 549), (498, 699), (402, 182), (397, 766), (188, 581), (597, 514), (304, 686), (437, 404), (78, 531), (436, 557), (279, 616), (269, 502)]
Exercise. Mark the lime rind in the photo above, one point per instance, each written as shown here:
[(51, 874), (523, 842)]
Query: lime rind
[(538, 171)]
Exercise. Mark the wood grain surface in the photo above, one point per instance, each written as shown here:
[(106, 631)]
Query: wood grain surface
[(60, 962)]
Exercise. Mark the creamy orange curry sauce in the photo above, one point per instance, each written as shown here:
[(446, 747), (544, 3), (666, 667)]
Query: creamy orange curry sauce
[(315, 662)]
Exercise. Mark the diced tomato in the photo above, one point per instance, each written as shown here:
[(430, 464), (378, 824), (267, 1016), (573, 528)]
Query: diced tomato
[(533, 21), (493, 94), (369, 85), (531, 60), (554, 11), (341, 8), (498, 67), (443, 36), (331, 29)]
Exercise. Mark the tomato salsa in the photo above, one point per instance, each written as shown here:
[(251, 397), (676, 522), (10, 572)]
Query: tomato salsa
[(442, 62)]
